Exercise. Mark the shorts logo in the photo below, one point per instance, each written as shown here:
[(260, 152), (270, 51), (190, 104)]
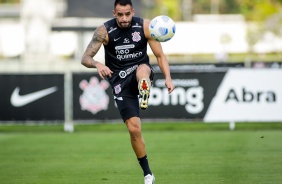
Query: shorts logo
[(122, 74), (94, 97), (117, 89), (136, 36)]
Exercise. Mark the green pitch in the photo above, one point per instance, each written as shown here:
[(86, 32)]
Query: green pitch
[(178, 154)]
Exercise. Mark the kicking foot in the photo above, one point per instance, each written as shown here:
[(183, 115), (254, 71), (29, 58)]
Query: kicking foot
[(144, 91)]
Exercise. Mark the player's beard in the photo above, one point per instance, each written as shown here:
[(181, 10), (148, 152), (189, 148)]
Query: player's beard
[(124, 25)]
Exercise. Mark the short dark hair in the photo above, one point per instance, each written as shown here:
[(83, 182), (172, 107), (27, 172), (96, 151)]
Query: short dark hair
[(123, 2)]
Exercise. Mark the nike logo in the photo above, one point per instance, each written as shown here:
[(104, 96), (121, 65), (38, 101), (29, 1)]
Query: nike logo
[(118, 98), (18, 100), (116, 39)]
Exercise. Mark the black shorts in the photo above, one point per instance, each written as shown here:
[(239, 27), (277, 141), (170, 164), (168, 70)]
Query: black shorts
[(126, 93), (128, 107)]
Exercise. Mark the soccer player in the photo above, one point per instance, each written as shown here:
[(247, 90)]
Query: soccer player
[(127, 68)]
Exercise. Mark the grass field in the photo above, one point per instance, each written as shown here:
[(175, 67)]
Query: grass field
[(179, 153)]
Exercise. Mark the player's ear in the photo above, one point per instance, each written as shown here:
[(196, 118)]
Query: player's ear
[(114, 13), (132, 11)]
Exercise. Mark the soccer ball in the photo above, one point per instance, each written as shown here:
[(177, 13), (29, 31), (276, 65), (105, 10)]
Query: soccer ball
[(162, 28)]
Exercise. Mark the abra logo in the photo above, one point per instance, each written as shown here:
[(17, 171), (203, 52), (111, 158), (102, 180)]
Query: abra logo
[(248, 96), (94, 98), (136, 36)]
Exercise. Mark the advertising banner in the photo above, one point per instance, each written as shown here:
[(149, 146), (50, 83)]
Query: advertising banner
[(32, 97), (248, 95), (93, 99), (235, 95), (189, 100)]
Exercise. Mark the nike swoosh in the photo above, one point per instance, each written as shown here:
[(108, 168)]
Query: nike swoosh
[(118, 98), (117, 39), (18, 100)]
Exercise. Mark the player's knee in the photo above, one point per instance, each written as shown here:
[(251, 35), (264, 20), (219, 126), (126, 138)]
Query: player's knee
[(143, 68), (134, 131), (134, 128)]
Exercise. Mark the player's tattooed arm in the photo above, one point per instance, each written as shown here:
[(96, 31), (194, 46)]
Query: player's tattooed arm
[(100, 37)]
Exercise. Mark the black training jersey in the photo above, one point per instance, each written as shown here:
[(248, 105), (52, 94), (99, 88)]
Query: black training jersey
[(127, 47)]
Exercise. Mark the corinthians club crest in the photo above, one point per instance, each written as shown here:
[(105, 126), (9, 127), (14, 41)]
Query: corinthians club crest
[(94, 97)]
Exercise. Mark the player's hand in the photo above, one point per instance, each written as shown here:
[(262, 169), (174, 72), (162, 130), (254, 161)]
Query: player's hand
[(103, 70), (170, 86)]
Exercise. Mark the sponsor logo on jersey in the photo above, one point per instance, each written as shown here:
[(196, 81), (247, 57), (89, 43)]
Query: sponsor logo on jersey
[(129, 56), (123, 52), (123, 47), (112, 29), (126, 40), (137, 25)]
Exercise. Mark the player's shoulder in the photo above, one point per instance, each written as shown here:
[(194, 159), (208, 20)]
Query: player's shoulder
[(141, 21), (137, 20), (101, 28), (110, 21), (101, 33), (147, 22), (107, 24), (111, 25)]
